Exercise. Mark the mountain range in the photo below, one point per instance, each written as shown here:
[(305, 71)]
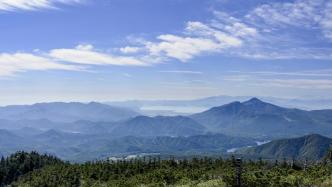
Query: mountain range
[(83, 131), (66, 112)]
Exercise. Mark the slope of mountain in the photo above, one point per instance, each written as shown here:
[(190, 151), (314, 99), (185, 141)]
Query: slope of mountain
[(159, 126), (257, 118), (66, 112), (311, 147), (7, 137), (84, 147), (10, 142)]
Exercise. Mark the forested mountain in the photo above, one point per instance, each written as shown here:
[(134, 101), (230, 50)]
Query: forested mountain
[(66, 112), (163, 145), (312, 147), (159, 126), (257, 118), (84, 147)]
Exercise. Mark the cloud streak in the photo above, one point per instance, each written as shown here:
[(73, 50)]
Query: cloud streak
[(82, 57), (300, 13), (272, 31), (10, 64), (197, 39), (32, 5), (85, 54)]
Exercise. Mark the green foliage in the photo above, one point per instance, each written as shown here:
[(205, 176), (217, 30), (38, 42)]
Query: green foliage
[(205, 172), (21, 163)]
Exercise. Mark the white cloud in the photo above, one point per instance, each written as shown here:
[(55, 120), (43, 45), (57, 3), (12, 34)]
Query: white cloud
[(233, 25), (197, 39), (127, 75), (300, 13), (224, 39), (85, 54), (266, 32), (326, 21), (129, 49), (78, 58), (272, 31), (21, 62), (182, 48), (30, 5)]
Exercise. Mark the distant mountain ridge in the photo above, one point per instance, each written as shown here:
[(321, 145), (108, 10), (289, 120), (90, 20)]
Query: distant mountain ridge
[(66, 112), (313, 147), (257, 118), (190, 106)]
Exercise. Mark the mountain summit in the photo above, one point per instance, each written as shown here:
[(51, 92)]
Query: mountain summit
[(258, 118)]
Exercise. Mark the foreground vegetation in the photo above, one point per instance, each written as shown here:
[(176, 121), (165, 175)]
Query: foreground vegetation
[(33, 170)]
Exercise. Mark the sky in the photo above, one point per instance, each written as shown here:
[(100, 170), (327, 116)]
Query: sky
[(109, 50)]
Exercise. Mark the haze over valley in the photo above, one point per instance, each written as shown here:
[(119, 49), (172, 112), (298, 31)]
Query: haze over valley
[(89, 131)]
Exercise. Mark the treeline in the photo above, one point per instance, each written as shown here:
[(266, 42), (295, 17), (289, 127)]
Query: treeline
[(156, 172), (21, 163)]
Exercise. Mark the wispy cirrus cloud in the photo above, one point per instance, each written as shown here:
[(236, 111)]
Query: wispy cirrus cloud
[(300, 13), (31, 5), (82, 57), (10, 64), (257, 34), (273, 30), (86, 54), (197, 39)]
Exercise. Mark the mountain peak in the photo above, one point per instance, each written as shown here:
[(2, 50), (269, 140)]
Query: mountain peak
[(253, 100), (315, 136)]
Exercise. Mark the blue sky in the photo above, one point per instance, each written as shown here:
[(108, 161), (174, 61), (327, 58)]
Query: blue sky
[(103, 50)]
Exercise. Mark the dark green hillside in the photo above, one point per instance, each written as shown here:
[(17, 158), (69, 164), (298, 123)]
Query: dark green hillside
[(192, 145), (21, 163), (153, 172), (313, 147)]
